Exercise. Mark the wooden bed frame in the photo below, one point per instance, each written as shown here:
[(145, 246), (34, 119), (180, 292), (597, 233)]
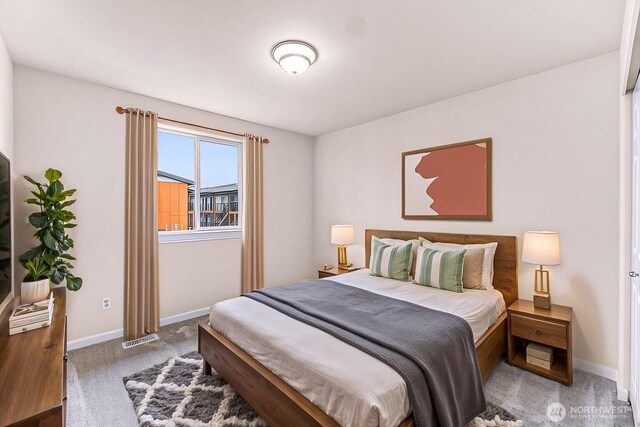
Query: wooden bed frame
[(279, 404)]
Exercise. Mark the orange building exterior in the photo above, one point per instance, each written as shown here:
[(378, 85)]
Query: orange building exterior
[(176, 204), (172, 206)]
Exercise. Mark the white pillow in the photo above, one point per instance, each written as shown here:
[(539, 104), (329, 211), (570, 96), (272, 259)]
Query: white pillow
[(423, 240), (487, 262)]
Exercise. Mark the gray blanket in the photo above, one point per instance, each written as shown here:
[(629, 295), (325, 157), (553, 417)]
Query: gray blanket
[(432, 351)]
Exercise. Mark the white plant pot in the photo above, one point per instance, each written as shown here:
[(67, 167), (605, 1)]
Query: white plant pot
[(31, 292)]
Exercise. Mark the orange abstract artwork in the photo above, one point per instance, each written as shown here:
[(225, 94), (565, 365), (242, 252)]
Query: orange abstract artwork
[(448, 182)]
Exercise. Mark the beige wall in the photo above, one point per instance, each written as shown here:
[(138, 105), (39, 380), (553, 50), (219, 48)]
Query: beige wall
[(6, 113), (555, 166), (6, 101), (190, 277), (71, 125)]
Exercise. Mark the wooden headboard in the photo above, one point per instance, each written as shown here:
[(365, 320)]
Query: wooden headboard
[(505, 263)]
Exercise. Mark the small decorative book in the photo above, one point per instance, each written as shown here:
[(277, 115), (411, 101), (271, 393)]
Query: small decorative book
[(27, 317)]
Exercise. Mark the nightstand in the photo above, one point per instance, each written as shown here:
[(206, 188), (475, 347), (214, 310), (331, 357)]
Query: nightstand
[(549, 327), (333, 272)]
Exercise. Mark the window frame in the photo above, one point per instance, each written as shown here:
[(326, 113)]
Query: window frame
[(204, 233)]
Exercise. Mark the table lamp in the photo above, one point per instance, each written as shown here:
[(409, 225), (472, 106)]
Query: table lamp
[(541, 248), (342, 235)]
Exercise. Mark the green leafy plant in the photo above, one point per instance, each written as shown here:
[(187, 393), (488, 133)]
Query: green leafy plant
[(51, 223), (37, 269)]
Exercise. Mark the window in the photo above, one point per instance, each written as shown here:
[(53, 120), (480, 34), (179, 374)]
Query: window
[(202, 167)]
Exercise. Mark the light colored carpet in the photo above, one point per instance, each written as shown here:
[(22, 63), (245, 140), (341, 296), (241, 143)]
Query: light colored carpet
[(527, 396), (97, 396)]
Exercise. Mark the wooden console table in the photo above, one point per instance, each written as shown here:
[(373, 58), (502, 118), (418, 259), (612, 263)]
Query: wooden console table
[(33, 372)]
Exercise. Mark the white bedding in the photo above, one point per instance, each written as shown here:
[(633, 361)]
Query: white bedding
[(355, 389)]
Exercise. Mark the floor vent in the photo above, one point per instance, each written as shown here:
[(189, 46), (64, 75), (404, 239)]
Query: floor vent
[(138, 341)]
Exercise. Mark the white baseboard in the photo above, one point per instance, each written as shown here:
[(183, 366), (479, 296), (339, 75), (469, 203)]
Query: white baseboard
[(594, 368), (184, 316), (94, 339), (118, 333), (603, 371)]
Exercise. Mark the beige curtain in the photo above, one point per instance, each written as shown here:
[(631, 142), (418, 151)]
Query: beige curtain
[(252, 220), (141, 316)]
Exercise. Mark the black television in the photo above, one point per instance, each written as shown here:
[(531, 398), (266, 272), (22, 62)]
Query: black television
[(5, 230)]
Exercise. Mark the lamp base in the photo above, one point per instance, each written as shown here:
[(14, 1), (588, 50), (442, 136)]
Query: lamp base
[(542, 300), (342, 258)]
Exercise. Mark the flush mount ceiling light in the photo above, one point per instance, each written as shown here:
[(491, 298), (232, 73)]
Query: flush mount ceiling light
[(294, 56)]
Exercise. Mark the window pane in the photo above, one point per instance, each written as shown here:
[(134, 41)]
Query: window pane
[(176, 173), (219, 184)]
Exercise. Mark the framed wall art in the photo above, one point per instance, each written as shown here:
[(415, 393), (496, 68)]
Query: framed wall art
[(448, 182)]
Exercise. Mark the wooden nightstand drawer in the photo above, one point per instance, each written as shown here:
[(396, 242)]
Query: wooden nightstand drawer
[(323, 274), (333, 272), (553, 334)]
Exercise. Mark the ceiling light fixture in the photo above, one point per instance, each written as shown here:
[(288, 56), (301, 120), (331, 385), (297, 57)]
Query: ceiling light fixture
[(294, 56)]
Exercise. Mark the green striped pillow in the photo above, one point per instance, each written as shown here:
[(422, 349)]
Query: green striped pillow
[(390, 261), (439, 269)]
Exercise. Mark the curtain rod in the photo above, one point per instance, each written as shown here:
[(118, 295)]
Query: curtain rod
[(121, 110)]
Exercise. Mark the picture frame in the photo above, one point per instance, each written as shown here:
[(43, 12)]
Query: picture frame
[(448, 182)]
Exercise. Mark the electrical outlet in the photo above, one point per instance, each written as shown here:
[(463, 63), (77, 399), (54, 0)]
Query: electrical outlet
[(106, 303)]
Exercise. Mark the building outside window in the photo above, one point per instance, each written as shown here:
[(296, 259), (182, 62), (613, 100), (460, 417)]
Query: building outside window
[(197, 166)]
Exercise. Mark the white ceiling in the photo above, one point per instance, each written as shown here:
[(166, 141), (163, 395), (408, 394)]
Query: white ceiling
[(376, 57)]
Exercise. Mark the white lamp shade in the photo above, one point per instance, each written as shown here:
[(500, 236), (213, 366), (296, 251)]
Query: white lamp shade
[(342, 234), (294, 64), (294, 56), (541, 248)]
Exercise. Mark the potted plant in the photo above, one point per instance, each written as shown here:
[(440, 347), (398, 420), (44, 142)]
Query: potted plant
[(52, 222), (35, 285)]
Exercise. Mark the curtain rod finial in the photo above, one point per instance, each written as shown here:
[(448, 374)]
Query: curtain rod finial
[(119, 110), (265, 140)]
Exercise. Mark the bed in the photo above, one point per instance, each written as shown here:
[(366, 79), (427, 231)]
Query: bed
[(275, 386)]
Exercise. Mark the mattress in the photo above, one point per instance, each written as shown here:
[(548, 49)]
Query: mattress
[(352, 387)]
